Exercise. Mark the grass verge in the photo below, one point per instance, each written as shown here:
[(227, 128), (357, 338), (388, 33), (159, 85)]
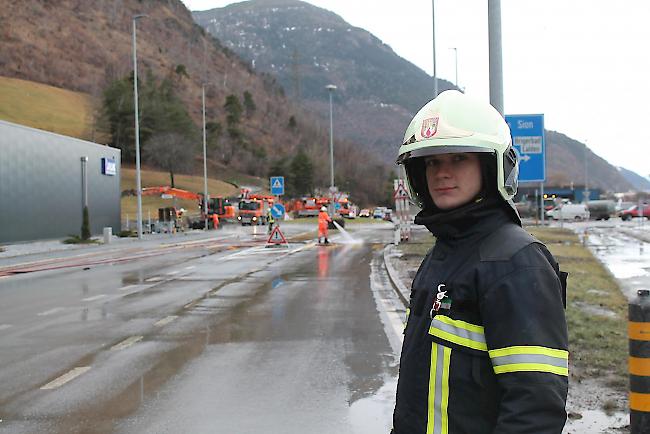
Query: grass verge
[(76, 239), (45, 107), (596, 311)]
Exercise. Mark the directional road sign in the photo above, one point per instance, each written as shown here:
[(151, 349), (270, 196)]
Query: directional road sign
[(277, 210), (528, 139), (277, 185)]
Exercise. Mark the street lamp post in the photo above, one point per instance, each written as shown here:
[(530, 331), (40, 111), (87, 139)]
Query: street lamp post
[(138, 181), (330, 88), (205, 166)]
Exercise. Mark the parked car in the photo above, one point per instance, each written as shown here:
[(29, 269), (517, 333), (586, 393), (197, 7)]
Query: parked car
[(388, 214), (601, 209), (378, 213), (364, 213), (635, 211), (569, 211)]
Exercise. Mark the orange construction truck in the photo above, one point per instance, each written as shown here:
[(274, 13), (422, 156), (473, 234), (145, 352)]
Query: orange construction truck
[(254, 209)]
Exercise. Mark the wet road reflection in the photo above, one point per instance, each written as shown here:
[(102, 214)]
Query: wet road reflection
[(293, 346), (626, 257)]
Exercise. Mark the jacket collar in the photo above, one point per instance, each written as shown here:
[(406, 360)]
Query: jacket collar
[(467, 223)]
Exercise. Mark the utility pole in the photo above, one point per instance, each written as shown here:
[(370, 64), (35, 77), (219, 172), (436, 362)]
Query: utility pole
[(496, 63), (138, 180), (433, 26), (205, 165)]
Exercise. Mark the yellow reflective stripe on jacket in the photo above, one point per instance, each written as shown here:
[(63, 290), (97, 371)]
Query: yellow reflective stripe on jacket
[(437, 421), (530, 359), (458, 332)]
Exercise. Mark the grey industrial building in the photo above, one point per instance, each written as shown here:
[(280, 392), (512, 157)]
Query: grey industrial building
[(46, 178)]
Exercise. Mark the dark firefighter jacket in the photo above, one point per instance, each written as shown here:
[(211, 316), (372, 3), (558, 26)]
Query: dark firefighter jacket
[(493, 357)]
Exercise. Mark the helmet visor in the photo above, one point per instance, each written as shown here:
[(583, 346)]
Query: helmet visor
[(437, 150)]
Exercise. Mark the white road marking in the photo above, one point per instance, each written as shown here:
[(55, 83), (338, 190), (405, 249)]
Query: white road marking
[(127, 287), (69, 376), (153, 279), (126, 343), (173, 272), (5, 326), (165, 321), (96, 297), (191, 267), (50, 312)]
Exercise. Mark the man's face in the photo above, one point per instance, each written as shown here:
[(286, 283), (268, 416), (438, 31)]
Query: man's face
[(453, 179)]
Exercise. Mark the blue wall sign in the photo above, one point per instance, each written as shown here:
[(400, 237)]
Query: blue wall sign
[(109, 167), (528, 139)]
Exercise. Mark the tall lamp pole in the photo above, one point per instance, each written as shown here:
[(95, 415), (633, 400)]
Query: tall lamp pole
[(330, 88), (138, 180), (433, 26), (205, 166)]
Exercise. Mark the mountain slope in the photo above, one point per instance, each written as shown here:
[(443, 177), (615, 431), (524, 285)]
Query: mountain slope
[(83, 46), (307, 48)]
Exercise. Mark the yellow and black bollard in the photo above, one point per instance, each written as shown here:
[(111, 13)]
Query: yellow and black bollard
[(639, 362)]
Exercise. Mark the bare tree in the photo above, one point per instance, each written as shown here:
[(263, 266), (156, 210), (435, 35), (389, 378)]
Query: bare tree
[(170, 151)]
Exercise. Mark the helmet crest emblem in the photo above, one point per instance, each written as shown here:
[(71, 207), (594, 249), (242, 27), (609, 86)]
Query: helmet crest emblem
[(429, 127)]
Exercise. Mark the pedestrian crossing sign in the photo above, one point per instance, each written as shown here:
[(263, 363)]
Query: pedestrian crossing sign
[(277, 185), (276, 238)]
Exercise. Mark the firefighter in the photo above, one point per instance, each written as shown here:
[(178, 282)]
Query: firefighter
[(270, 220), (323, 220), (215, 221), (485, 345)]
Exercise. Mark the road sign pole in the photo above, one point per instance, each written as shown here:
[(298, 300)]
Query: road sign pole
[(542, 209)]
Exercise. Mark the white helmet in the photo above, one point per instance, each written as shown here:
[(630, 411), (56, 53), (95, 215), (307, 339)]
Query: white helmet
[(323, 209), (452, 123)]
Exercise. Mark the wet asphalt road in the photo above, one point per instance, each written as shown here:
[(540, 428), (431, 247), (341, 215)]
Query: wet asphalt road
[(240, 340)]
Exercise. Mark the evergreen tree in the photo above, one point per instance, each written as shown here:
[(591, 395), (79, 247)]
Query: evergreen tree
[(161, 111), (249, 104), (301, 174)]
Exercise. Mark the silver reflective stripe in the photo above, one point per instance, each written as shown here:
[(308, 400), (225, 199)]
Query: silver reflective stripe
[(437, 416), (530, 358), (437, 422), (458, 331)]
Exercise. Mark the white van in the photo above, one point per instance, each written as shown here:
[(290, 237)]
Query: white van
[(569, 211)]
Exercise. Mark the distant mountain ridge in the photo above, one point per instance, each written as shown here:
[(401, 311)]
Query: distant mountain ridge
[(638, 182), (307, 47)]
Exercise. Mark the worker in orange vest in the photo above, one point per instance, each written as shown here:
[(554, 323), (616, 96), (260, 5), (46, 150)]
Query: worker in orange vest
[(323, 220), (215, 221)]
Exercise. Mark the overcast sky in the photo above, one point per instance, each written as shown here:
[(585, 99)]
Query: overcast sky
[(584, 64)]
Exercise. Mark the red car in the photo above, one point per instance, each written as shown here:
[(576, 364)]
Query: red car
[(636, 212)]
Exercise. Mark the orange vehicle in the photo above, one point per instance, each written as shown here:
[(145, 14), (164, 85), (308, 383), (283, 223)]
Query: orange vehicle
[(254, 209), (307, 206), (222, 207)]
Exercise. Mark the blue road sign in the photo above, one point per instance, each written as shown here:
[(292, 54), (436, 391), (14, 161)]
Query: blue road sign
[(529, 140), (277, 210), (277, 185)]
